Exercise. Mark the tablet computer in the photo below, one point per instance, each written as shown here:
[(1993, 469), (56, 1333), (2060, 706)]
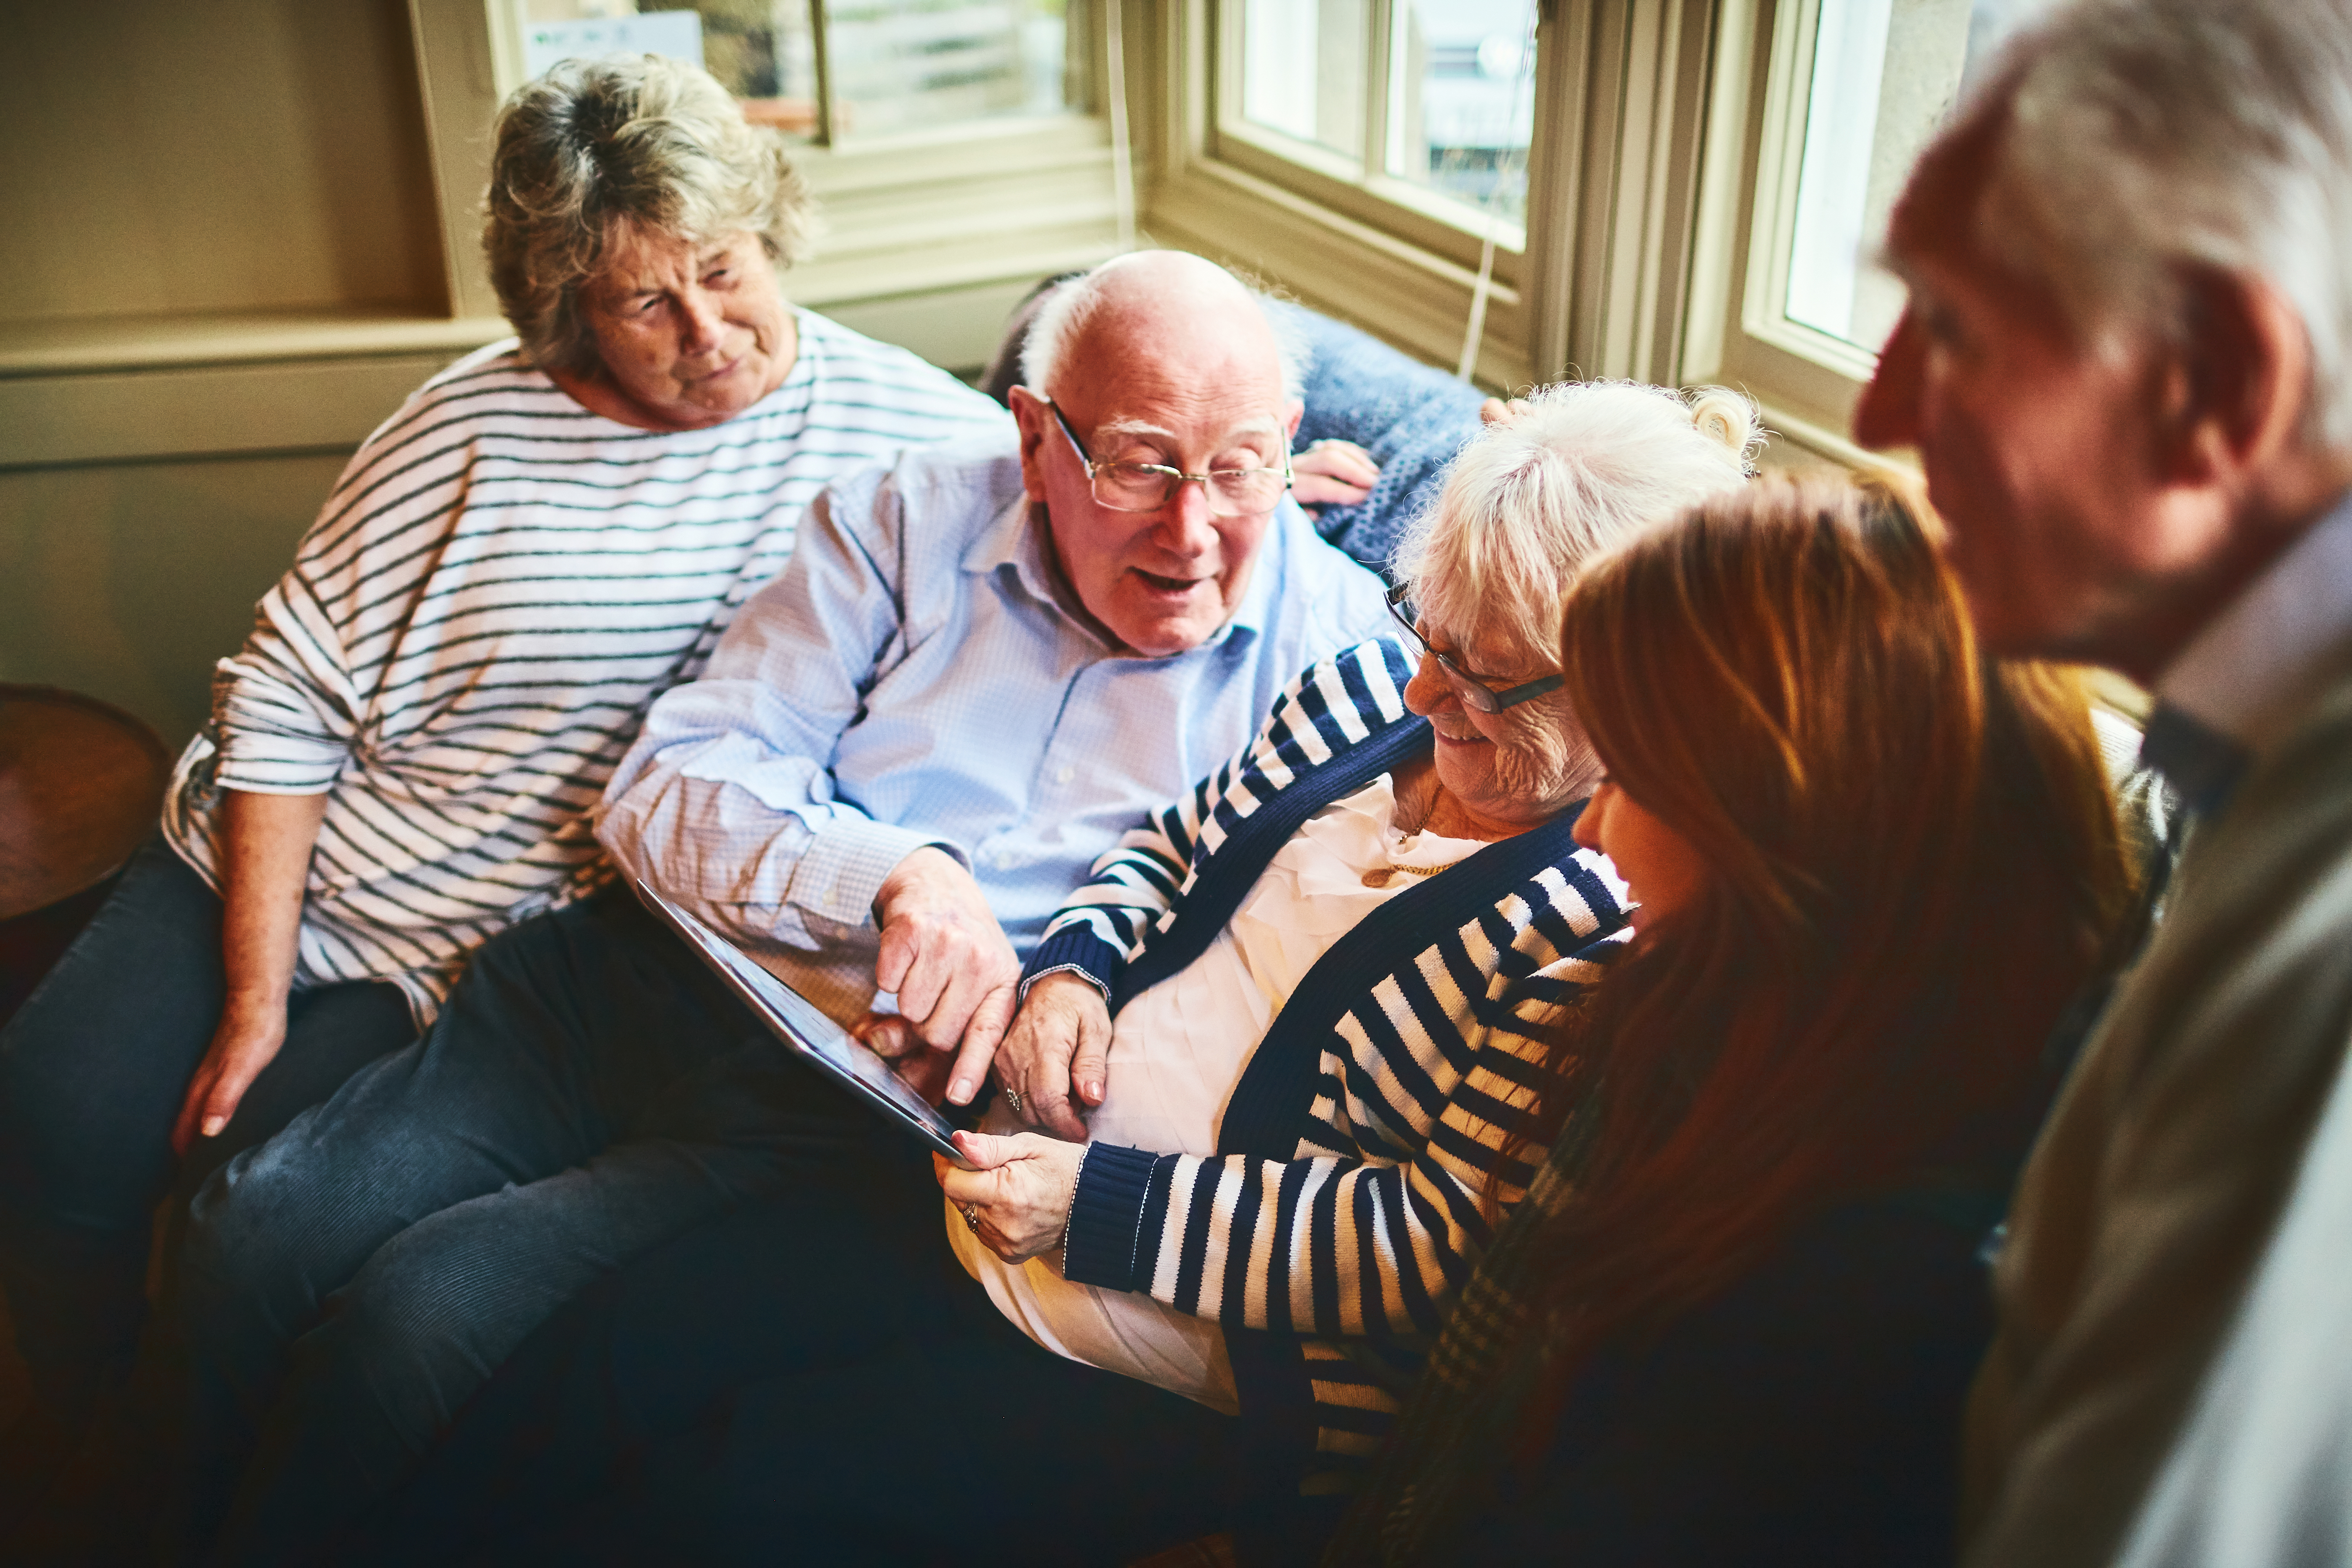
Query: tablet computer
[(807, 1033)]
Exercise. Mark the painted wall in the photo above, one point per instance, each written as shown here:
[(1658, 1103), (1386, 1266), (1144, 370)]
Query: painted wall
[(128, 581)]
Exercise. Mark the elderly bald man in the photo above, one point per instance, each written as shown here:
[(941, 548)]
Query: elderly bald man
[(2127, 366), (980, 668)]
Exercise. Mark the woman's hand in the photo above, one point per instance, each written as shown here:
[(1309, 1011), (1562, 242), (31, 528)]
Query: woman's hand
[(1332, 473), (264, 862), (1017, 1195), (247, 1041), (1495, 411), (1056, 1053)]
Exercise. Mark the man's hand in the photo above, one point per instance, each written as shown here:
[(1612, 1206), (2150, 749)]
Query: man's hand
[(246, 1041), (1057, 1054), (1332, 473), (1017, 1195), (948, 960)]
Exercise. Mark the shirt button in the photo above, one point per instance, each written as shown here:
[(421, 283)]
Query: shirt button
[(1065, 775)]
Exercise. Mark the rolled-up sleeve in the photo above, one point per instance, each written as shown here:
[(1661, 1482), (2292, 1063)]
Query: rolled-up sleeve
[(285, 707), (726, 803)]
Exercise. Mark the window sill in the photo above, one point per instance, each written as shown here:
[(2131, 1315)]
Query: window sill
[(80, 346), (1415, 214), (1413, 298)]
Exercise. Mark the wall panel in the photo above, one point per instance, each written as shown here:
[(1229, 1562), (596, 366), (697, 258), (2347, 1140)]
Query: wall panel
[(127, 581)]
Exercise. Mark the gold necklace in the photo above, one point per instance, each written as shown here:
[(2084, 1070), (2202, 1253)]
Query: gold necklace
[(1387, 874)]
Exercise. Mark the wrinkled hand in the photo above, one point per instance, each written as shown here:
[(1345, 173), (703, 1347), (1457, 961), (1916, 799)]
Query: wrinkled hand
[(1019, 1189), (1495, 411), (1332, 473), (246, 1041), (949, 962), (1056, 1053)]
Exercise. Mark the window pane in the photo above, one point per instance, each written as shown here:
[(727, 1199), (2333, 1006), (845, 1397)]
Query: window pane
[(1884, 73), (898, 65), (1304, 63), (902, 65), (1462, 100)]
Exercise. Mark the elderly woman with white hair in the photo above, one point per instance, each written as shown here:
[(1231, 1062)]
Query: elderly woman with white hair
[(1302, 1004), (402, 760)]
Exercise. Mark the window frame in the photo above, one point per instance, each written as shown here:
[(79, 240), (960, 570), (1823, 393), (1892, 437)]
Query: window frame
[(1361, 189), (1807, 381), (919, 223), (1601, 287)]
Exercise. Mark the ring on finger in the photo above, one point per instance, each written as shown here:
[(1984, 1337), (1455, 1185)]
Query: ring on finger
[(1012, 1099), (972, 1218)]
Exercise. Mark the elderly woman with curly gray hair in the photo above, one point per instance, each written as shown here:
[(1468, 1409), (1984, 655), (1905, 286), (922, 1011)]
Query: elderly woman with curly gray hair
[(402, 759)]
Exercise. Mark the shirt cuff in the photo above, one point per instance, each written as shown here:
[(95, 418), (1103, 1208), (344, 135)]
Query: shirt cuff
[(277, 766), (1073, 950), (1100, 1246), (844, 869)]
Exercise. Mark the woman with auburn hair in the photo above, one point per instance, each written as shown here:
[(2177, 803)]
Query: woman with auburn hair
[(1735, 1316)]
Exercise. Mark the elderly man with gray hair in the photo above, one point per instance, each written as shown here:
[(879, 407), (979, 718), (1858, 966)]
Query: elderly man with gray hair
[(2127, 366), (985, 662)]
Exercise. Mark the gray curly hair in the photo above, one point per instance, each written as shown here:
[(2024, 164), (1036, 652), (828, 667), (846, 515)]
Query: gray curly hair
[(631, 140)]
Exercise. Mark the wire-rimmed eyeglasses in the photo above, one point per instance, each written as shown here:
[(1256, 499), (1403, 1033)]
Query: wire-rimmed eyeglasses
[(1148, 487), (1473, 692)]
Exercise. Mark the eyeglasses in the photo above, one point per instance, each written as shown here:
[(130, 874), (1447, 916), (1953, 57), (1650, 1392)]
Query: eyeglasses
[(1473, 692), (1148, 487)]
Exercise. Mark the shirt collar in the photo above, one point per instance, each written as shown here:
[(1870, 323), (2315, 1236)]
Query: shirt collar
[(1013, 541), (2246, 676)]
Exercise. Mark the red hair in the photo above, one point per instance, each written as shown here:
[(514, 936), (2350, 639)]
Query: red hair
[(1914, 863)]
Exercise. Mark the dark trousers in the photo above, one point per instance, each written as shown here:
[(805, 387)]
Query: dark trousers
[(589, 1091), (815, 1379), (92, 1071)]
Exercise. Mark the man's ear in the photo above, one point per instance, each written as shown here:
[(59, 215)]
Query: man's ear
[(1035, 418), (1290, 420), (2239, 390)]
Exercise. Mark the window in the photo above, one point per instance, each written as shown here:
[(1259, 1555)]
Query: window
[(835, 71), (947, 141), (1851, 90), (1461, 101), (1674, 189), (1501, 184), (1426, 103)]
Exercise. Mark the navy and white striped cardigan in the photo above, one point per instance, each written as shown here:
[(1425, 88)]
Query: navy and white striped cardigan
[(1341, 1214)]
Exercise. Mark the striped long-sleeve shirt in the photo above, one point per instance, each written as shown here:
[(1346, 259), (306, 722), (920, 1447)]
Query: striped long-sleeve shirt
[(498, 586), (1330, 1231)]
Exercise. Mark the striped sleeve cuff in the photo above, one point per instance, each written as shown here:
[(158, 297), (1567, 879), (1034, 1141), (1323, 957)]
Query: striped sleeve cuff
[(277, 764), (1073, 950), (1106, 1217)]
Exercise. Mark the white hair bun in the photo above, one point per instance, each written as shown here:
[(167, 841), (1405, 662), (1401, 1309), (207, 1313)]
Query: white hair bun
[(1729, 418)]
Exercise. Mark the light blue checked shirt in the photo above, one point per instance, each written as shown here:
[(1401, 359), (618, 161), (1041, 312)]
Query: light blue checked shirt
[(916, 677)]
